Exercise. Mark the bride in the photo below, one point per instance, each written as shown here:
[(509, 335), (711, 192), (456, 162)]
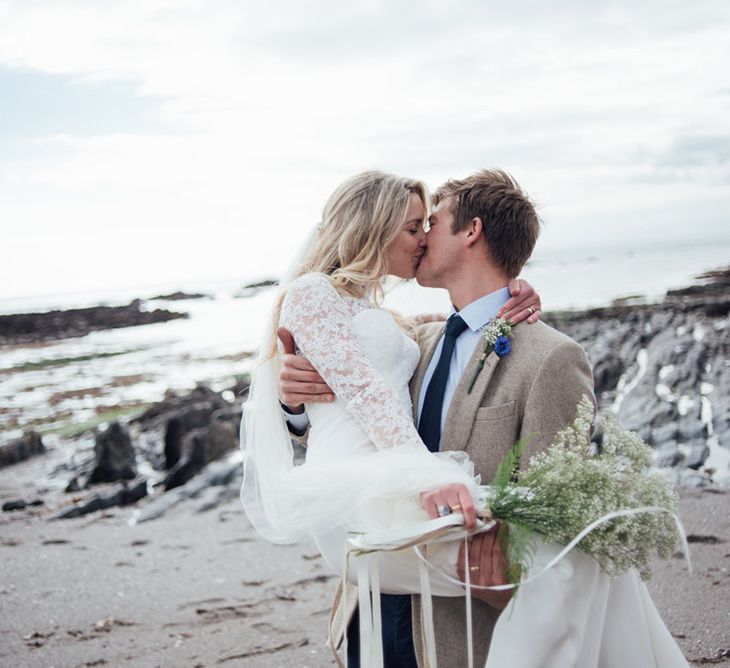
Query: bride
[(367, 468)]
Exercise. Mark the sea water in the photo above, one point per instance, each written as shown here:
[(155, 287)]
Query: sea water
[(219, 340)]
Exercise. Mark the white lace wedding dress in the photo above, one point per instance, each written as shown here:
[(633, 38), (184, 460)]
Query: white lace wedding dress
[(368, 361), (366, 466)]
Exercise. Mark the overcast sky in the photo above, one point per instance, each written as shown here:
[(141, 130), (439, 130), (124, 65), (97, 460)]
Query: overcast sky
[(149, 141)]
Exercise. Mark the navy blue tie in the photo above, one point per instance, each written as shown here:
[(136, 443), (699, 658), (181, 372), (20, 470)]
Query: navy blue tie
[(429, 426)]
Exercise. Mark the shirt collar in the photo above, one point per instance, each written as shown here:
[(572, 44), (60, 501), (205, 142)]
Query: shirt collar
[(482, 310)]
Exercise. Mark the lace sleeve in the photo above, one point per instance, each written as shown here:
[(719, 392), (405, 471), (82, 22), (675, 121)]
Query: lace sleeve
[(318, 317)]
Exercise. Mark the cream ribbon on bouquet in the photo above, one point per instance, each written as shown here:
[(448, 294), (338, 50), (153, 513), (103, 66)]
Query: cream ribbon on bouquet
[(418, 534)]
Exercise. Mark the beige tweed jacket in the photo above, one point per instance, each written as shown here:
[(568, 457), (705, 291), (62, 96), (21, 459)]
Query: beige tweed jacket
[(532, 391)]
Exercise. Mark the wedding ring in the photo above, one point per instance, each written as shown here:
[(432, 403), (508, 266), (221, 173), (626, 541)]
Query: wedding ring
[(531, 310), (444, 510), (456, 508), (474, 569)]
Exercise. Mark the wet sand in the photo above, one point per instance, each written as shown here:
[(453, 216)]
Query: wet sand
[(201, 589)]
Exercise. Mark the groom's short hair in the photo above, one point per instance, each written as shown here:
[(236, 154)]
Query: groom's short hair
[(510, 223)]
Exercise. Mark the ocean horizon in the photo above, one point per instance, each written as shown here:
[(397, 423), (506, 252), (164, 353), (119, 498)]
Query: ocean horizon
[(569, 278)]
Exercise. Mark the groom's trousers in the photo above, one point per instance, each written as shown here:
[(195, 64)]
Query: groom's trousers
[(398, 651)]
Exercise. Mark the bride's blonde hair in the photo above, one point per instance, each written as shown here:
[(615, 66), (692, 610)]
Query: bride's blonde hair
[(360, 220)]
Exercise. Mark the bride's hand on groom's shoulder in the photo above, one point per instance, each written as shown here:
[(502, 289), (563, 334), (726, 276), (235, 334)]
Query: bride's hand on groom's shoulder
[(524, 303), (487, 568)]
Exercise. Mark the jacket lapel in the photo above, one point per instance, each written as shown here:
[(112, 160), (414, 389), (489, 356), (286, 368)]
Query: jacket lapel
[(463, 408), (427, 343)]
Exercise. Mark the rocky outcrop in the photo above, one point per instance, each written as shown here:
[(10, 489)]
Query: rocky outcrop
[(180, 296), (181, 436), (252, 289), (178, 437), (664, 369), (202, 445), (23, 328), (222, 478), (194, 429), (18, 449), (114, 456), (124, 495), (20, 504)]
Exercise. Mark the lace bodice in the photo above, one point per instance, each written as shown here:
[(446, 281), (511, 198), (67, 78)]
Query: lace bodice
[(360, 352)]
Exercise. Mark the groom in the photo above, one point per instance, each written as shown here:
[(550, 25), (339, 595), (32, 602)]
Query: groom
[(482, 231)]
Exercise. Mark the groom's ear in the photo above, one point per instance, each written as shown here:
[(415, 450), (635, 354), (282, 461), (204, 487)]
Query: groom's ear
[(474, 231)]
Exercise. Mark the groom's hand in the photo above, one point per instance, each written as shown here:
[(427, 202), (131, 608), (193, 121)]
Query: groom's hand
[(487, 568), (299, 382), (524, 303)]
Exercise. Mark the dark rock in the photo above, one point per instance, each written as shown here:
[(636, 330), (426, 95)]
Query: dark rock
[(718, 377), (128, 495), (668, 455), (596, 436), (122, 496), (667, 433), (224, 473), (606, 373), (693, 479), (186, 421), (707, 539), (173, 440), (698, 454), (180, 474), (114, 456), (663, 415), (240, 389), (252, 289), (14, 504), (20, 504), (29, 444), (692, 430), (73, 485), (91, 505), (176, 434), (205, 444), (267, 283), (636, 411), (180, 296), (34, 327), (222, 434)]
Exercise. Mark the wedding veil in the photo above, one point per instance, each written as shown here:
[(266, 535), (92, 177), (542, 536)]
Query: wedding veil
[(265, 440)]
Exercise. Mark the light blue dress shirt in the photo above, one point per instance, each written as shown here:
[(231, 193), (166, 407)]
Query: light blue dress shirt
[(476, 315)]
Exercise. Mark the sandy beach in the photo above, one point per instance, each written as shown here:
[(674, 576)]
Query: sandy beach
[(202, 589), (196, 586), (189, 589)]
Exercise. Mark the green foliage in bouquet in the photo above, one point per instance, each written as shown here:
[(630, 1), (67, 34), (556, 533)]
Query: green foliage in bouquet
[(569, 486)]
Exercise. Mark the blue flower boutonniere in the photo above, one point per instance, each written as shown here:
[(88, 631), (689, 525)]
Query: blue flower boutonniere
[(497, 337)]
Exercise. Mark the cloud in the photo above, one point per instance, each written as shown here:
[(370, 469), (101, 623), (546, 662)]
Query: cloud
[(699, 150), (79, 107), (234, 120)]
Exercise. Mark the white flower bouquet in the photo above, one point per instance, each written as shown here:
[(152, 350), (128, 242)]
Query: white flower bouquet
[(569, 486)]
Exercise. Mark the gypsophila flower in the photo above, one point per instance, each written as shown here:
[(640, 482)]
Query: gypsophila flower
[(566, 488)]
